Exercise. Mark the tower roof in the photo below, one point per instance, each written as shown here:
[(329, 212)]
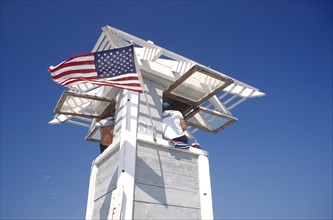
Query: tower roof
[(204, 95)]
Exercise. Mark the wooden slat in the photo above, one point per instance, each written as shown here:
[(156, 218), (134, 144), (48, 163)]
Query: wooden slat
[(144, 210), (166, 196), (106, 177)]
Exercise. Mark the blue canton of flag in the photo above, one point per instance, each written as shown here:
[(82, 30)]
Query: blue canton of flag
[(114, 62)]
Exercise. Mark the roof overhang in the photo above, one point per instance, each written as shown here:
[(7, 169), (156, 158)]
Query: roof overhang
[(205, 96)]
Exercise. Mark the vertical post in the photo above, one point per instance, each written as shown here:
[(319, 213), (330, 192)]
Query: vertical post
[(145, 94), (126, 128), (205, 188)]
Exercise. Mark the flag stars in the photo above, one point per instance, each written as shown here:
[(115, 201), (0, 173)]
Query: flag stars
[(114, 63)]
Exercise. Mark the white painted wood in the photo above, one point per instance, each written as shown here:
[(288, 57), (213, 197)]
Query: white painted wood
[(99, 41), (91, 192), (151, 112), (237, 103), (166, 196), (154, 211), (158, 53), (153, 70), (240, 101), (160, 178), (167, 182), (58, 119), (147, 102), (78, 123), (127, 121), (154, 180), (101, 207), (181, 66), (110, 40), (218, 105), (174, 170), (104, 44), (106, 177), (103, 181), (110, 150), (166, 177), (114, 38), (175, 164), (164, 144), (116, 204), (205, 188), (161, 65), (144, 43), (151, 174)]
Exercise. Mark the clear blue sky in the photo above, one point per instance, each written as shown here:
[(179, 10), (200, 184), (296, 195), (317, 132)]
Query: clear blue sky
[(274, 163)]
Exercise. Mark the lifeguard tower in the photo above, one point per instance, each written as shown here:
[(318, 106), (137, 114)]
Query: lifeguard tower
[(139, 176)]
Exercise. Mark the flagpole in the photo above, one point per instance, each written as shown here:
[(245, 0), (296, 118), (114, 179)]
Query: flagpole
[(144, 93)]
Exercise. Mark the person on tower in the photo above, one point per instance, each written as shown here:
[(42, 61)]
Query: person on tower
[(106, 126), (174, 127)]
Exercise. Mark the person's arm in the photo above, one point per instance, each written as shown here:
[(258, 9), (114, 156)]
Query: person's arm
[(183, 124), (98, 123)]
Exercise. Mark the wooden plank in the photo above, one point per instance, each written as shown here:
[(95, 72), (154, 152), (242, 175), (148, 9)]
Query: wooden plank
[(179, 155), (145, 125), (127, 118), (106, 186), (158, 177), (168, 165), (102, 207), (205, 188), (98, 43), (166, 196), (106, 177), (144, 210)]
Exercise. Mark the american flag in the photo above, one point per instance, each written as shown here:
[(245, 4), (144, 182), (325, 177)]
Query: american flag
[(114, 67)]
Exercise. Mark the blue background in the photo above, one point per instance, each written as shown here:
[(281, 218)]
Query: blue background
[(274, 163)]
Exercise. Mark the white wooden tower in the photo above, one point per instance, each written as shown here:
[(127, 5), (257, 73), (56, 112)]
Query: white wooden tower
[(139, 176)]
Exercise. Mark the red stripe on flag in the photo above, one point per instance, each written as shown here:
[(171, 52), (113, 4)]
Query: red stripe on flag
[(82, 55), (73, 81), (80, 71), (77, 63)]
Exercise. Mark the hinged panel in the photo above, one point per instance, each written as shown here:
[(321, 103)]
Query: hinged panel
[(85, 105), (197, 85), (209, 120)]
